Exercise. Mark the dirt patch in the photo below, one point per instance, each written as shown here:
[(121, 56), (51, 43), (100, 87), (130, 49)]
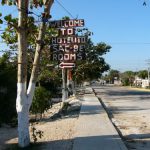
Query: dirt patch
[(58, 130), (134, 129)]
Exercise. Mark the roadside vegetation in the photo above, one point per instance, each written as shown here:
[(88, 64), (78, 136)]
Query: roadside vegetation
[(127, 78)]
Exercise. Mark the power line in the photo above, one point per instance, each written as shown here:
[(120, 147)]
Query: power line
[(91, 33), (65, 9)]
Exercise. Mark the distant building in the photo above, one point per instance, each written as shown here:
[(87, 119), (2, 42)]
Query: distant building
[(117, 82), (145, 83), (138, 82), (102, 82)]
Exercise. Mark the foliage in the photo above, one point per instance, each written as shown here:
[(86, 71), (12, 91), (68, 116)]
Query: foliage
[(41, 101), (112, 75), (50, 80), (143, 74), (127, 78), (33, 3), (36, 133), (49, 77), (94, 65), (0, 18), (7, 88)]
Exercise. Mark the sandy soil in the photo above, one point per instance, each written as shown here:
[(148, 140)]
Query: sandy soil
[(135, 130), (58, 131)]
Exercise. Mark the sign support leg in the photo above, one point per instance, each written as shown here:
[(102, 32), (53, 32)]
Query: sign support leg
[(64, 86)]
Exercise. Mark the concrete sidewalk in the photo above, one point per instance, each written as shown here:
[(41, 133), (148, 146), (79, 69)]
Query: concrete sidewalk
[(94, 130)]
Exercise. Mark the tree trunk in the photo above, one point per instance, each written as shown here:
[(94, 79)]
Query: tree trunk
[(24, 96), (21, 101), (39, 47)]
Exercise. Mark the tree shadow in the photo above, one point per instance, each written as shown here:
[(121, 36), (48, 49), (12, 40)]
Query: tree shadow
[(6, 134), (147, 98), (126, 92), (79, 143), (137, 141), (123, 92), (48, 145), (103, 142), (122, 109)]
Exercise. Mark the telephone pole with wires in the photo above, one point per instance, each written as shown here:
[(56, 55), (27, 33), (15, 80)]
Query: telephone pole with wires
[(148, 71)]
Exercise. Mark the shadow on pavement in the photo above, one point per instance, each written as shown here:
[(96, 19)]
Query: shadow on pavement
[(49, 145), (124, 93), (104, 142), (91, 142), (7, 134), (119, 109), (137, 141)]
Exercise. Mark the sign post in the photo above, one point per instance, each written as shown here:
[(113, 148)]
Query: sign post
[(64, 85)]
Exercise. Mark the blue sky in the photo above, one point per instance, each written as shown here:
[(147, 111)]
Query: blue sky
[(123, 24)]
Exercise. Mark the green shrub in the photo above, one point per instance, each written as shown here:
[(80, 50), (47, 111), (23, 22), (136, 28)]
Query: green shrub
[(8, 80), (41, 101)]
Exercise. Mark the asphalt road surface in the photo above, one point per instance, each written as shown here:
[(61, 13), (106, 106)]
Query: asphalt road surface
[(129, 110)]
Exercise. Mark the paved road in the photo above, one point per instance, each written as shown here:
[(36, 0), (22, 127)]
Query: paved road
[(125, 100), (130, 112)]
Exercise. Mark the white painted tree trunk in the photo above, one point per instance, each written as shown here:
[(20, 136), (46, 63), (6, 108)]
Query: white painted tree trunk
[(23, 104), (30, 93), (23, 114)]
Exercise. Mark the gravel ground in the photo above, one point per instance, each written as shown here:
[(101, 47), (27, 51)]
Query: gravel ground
[(58, 130)]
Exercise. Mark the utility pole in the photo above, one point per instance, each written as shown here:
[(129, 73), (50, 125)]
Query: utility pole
[(148, 77), (148, 62)]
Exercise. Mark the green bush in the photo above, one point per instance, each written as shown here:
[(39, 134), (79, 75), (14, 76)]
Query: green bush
[(8, 80), (41, 101)]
